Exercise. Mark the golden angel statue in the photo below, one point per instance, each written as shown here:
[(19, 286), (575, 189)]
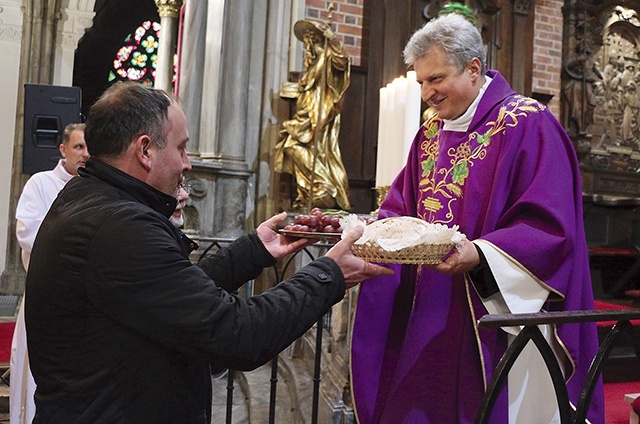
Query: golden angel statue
[(307, 145)]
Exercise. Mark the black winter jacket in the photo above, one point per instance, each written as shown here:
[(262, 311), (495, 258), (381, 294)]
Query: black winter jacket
[(122, 327)]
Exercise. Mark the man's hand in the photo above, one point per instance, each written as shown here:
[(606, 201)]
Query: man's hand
[(277, 244), (462, 259), (354, 269)]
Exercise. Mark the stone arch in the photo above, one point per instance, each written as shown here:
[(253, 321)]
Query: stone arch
[(75, 17)]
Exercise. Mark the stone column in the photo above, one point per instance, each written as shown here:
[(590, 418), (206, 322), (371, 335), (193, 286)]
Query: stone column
[(231, 144), (191, 72), (169, 11), (235, 74), (210, 88)]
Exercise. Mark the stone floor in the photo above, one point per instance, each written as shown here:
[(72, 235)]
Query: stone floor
[(251, 395), (252, 391)]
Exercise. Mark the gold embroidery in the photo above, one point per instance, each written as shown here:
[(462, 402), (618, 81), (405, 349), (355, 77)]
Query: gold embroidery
[(440, 187)]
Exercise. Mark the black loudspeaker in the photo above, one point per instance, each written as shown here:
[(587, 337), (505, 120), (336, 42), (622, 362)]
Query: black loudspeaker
[(48, 109)]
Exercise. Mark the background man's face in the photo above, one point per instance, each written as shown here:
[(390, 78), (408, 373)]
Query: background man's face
[(177, 219), (75, 152)]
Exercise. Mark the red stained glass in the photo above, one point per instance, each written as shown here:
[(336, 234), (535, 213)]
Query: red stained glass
[(137, 59)]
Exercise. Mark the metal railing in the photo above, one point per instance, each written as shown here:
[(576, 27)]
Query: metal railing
[(325, 321), (529, 332), (532, 332), (317, 358)]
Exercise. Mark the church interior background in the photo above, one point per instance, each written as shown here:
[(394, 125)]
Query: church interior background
[(228, 61)]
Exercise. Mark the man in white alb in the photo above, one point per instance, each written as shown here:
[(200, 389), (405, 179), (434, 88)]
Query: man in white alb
[(37, 196)]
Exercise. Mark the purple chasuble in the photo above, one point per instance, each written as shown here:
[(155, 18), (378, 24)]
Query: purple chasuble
[(513, 180)]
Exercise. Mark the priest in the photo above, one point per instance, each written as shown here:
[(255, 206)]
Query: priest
[(500, 166)]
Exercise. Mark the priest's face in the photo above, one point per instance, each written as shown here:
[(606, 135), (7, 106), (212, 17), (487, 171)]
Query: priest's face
[(444, 87)]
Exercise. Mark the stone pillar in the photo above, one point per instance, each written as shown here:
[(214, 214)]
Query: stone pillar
[(191, 72), (230, 215), (235, 74), (210, 88), (169, 11)]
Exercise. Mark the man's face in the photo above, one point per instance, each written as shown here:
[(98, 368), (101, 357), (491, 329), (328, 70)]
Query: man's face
[(443, 87), (75, 152), (168, 164)]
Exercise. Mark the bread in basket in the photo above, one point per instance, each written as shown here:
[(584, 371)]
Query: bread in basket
[(403, 240)]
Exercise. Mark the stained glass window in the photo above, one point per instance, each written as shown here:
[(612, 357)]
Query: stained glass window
[(137, 59)]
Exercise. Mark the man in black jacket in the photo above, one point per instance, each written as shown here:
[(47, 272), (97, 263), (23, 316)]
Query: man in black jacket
[(121, 326)]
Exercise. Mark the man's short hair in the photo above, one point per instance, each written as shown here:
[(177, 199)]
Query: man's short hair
[(66, 135), (125, 111)]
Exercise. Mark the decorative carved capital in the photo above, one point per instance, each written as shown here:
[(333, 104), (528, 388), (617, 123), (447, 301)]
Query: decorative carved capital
[(522, 7), (169, 8), (10, 33)]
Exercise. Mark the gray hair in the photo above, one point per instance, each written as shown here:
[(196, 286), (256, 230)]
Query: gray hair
[(454, 34), (124, 112), (66, 134)]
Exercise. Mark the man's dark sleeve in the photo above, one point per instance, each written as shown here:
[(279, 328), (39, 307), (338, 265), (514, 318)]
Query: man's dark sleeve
[(241, 261), (482, 278)]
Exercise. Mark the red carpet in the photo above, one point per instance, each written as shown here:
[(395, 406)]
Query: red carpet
[(604, 306), (615, 408), (6, 334)]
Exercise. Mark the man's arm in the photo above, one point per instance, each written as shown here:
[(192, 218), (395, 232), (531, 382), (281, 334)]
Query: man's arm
[(157, 292)]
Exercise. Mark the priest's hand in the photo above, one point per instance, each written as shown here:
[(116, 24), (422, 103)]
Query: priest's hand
[(277, 244), (463, 259), (354, 269)]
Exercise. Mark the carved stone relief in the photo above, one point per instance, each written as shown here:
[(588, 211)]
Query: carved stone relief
[(601, 97), (618, 101)]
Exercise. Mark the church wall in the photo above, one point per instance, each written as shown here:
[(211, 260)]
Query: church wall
[(10, 45), (347, 19), (547, 53)]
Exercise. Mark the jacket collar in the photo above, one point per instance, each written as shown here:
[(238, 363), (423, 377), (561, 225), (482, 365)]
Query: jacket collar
[(137, 189)]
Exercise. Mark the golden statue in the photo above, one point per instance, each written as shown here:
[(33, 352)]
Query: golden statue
[(307, 145)]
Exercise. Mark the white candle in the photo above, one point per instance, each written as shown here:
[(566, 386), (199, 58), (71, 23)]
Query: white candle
[(383, 114), (398, 122), (412, 112), (388, 162), (395, 156)]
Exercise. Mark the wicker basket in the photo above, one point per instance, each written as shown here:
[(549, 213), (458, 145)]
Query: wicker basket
[(423, 254)]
